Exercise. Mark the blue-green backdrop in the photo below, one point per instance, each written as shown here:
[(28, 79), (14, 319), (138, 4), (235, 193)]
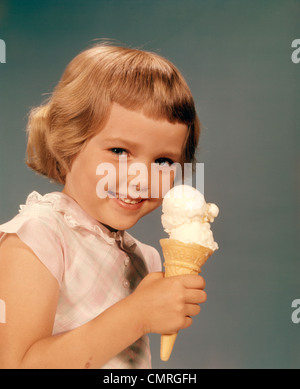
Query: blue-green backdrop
[(236, 57)]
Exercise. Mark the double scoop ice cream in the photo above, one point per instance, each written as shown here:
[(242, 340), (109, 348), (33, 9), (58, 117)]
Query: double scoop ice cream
[(186, 217)]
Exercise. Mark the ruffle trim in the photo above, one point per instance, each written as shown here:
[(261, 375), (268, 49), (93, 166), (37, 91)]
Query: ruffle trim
[(75, 217)]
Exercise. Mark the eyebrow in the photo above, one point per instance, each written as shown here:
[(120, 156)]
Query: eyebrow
[(123, 141), (128, 143)]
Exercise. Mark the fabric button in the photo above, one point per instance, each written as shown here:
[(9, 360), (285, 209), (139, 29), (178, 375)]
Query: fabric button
[(126, 261), (126, 284)]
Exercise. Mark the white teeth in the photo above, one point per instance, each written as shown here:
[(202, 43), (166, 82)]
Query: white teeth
[(128, 201)]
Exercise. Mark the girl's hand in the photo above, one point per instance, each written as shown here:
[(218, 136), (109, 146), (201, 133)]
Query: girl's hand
[(167, 304)]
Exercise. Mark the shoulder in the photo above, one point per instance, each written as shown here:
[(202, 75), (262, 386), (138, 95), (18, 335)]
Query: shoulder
[(36, 210), (36, 223), (37, 229)]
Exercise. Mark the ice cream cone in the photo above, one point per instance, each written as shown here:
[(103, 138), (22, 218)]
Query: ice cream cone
[(180, 258)]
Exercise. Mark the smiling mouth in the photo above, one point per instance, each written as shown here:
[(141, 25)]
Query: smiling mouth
[(126, 200), (130, 201)]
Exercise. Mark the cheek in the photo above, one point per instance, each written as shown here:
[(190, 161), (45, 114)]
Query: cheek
[(152, 204), (83, 174), (106, 179), (161, 183)]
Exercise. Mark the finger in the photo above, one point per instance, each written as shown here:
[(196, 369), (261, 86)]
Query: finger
[(188, 321), (192, 309), (156, 275), (152, 277), (193, 281), (195, 296)]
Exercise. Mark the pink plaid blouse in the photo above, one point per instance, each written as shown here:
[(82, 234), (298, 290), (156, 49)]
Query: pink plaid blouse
[(86, 261)]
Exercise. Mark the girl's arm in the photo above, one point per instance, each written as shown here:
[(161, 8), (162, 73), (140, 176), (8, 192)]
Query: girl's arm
[(30, 294)]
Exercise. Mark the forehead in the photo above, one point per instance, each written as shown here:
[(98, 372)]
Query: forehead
[(134, 126)]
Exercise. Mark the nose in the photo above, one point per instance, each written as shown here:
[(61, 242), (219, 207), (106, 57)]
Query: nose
[(143, 186), (138, 180)]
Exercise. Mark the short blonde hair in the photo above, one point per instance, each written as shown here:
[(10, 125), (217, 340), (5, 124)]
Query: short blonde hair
[(80, 104)]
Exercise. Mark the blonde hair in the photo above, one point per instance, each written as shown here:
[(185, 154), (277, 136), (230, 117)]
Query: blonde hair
[(80, 104)]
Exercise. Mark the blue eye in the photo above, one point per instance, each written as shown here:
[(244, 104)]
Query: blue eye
[(164, 161), (118, 151)]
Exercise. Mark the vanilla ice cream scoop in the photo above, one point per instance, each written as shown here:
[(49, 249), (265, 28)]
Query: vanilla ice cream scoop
[(186, 216)]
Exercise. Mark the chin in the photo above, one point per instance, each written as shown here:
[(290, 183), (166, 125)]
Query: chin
[(123, 225)]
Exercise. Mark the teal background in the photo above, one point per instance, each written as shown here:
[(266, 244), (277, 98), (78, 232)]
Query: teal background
[(236, 57)]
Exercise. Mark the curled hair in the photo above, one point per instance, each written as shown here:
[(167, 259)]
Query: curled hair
[(80, 104)]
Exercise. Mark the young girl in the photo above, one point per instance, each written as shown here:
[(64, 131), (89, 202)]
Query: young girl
[(79, 291)]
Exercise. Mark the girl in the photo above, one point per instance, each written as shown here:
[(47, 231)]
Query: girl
[(79, 290)]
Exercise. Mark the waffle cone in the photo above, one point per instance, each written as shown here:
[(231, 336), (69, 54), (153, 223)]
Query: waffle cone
[(180, 258)]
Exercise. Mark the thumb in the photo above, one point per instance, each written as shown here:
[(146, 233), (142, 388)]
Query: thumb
[(152, 277)]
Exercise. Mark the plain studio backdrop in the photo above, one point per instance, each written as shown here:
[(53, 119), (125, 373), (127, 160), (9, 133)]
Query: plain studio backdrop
[(237, 59)]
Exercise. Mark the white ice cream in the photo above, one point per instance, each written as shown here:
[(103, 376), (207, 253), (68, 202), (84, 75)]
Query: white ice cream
[(187, 217)]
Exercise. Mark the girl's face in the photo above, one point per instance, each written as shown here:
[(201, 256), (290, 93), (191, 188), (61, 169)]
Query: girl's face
[(110, 178)]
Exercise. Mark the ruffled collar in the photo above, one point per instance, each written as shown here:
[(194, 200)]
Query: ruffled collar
[(76, 217)]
